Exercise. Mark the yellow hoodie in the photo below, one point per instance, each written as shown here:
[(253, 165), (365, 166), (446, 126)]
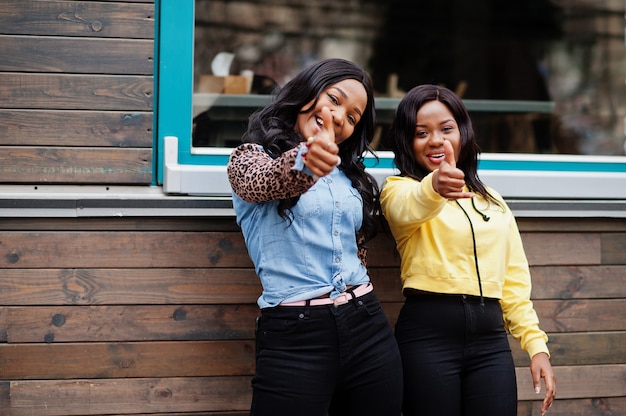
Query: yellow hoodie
[(434, 238)]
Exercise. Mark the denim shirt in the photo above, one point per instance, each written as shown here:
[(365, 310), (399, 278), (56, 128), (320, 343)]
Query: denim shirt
[(317, 252)]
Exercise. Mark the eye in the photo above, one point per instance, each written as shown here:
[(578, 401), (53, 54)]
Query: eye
[(447, 129), (420, 133), (352, 119), (333, 99)]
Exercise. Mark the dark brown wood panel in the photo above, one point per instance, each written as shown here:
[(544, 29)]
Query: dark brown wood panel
[(76, 92), (122, 360), (543, 249), (151, 286), (585, 348), (614, 248), (97, 56), (122, 249), (595, 406), (128, 323), (575, 382), (565, 316), (573, 282), (129, 396), (582, 315), (81, 397), (121, 129), (176, 223), (576, 225), (549, 282), (121, 19), (75, 165)]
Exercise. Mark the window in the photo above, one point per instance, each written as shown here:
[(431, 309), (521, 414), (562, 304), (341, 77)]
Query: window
[(549, 113)]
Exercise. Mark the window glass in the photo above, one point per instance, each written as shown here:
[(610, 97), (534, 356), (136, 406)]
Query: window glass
[(538, 76)]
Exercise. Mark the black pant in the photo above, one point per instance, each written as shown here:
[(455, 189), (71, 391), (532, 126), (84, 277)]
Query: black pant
[(456, 357), (319, 360)]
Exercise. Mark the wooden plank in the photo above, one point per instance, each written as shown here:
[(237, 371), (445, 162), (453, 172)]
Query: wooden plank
[(129, 323), (543, 249), (600, 406), (575, 382), (549, 282), (614, 248), (122, 360), (83, 397), (564, 316), (75, 165), (575, 282), (177, 223), (122, 249), (120, 19), (96, 56), (52, 128), (5, 400), (76, 92), (129, 396), (578, 315), (577, 225), (149, 286), (585, 348)]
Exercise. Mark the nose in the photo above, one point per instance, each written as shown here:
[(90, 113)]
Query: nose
[(437, 139), (338, 116)]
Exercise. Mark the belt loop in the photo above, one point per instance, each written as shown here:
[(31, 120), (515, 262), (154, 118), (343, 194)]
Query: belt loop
[(351, 292), (307, 309)]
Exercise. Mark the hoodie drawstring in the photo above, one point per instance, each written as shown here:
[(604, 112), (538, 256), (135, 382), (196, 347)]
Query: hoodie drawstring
[(485, 218)]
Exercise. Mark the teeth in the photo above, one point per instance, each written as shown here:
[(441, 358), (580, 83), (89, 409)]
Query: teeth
[(319, 121)]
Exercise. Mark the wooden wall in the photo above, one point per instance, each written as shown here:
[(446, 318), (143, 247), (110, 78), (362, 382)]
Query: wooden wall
[(76, 88), (156, 315)]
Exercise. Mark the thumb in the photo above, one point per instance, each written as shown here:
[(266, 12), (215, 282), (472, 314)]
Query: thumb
[(449, 153), (327, 128)]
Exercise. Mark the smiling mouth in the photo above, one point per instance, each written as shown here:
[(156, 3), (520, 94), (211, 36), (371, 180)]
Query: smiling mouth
[(436, 157)]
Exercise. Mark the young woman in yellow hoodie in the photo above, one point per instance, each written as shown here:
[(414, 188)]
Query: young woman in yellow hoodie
[(464, 271)]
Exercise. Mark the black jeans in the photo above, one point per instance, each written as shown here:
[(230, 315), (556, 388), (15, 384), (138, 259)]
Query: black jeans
[(456, 357), (319, 360)]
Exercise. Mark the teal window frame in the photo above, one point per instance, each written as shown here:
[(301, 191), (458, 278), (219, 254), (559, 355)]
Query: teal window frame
[(183, 171)]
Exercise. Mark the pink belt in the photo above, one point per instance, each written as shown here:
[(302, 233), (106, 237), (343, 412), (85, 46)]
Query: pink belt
[(343, 298)]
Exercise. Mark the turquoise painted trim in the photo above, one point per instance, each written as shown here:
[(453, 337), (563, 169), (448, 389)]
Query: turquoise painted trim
[(175, 79), (552, 166), (156, 166)]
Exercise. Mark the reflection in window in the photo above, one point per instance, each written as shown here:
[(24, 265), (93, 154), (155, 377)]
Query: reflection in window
[(569, 52)]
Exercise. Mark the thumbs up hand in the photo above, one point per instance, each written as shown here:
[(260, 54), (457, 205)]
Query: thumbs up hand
[(448, 181)]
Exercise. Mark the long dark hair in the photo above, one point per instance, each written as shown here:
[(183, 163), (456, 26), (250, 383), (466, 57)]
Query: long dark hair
[(402, 133), (273, 128)]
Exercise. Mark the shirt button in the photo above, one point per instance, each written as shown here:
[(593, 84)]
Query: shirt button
[(337, 259), (336, 233)]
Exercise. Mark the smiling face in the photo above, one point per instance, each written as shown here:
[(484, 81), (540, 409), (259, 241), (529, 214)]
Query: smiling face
[(434, 124), (346, 101)]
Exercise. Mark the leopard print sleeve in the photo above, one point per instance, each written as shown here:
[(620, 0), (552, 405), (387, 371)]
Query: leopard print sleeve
[(256, 177), (362, 248)]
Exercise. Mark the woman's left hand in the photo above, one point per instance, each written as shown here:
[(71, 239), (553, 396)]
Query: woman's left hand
[(322, 155), (540, 368)]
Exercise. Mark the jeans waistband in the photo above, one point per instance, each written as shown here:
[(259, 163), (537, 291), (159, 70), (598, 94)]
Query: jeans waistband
[(343, 298)]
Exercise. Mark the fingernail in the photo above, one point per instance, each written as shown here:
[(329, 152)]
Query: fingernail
[(537, 390)]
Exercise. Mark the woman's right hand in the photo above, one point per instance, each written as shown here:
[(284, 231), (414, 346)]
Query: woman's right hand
[(322, 155), (448, 180)]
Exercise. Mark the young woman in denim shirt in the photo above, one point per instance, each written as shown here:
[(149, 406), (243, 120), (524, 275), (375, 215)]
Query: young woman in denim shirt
[(306, 207)]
